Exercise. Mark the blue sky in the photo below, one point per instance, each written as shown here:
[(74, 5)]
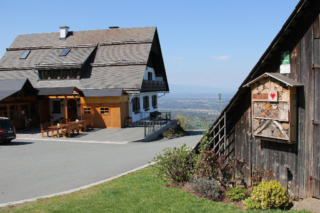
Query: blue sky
[(210, 43)]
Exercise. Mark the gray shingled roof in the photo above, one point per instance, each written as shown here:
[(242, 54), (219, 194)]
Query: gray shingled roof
[(12, 58), (84, 37), (109, 77), (129, 46), (134, 52), (76, 55), (10, 86)]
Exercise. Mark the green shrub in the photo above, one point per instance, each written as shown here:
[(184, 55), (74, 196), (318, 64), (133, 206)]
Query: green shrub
[(250, 204), (174, 132), (209, 188), (236, 193), (211, 166), (174, 164), (183, 121), (268, 195)]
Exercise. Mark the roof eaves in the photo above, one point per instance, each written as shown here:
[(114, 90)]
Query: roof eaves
[(276, 40), (277, 76)]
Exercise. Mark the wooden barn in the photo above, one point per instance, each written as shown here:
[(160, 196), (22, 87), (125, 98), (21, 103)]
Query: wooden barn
[(274, 117)]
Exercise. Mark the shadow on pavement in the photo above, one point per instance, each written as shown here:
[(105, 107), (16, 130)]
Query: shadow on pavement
[(192, 133), (16, 143), (196, 132)]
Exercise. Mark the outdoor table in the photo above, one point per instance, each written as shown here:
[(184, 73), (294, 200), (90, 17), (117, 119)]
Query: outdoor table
[(56, 127), (82, 123)]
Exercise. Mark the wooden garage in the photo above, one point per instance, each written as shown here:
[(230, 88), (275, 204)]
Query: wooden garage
[(108, 108)]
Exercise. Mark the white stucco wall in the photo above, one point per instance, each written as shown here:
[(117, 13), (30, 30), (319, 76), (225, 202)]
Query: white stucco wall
[(138, 116), (57, 115), (62, 113), (149, 69)]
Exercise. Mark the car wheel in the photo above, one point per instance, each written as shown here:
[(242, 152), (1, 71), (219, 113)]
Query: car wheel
[(7, 141)]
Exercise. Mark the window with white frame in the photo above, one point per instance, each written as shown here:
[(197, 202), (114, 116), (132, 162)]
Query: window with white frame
[(136, 104), (146, 102), (154, 101)]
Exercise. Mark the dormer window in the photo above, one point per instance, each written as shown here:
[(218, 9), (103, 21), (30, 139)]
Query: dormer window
[(64, 52), (68, 74), (25, 54)]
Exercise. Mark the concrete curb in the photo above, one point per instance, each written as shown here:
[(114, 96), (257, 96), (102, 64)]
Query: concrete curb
[(73, 141), (76, 189)]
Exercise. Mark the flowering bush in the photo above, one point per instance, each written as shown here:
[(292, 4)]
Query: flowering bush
[(268, 195), (225, 171)]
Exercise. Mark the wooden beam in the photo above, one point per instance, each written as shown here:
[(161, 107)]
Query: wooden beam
[(214, 137), (66, 107)]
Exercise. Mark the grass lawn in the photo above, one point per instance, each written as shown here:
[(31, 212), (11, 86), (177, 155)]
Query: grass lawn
[(137, 192)]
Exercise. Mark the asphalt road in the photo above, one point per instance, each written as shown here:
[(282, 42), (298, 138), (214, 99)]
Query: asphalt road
[(30, 169)]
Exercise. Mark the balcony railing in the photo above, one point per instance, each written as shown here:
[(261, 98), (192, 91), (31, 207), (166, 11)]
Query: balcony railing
[(148, 85)]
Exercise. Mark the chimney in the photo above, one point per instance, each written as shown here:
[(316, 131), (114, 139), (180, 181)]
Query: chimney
[(113, 27), (63, 32)]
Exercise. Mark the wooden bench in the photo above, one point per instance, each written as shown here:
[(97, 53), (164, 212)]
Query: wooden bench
[(45, 128), (71, 128), (89, 123), (64, 121)]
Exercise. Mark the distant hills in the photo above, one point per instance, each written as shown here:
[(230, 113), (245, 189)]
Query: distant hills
[(198, 90)]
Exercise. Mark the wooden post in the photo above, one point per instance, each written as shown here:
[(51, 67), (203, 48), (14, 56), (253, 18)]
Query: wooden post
[(66, 106)]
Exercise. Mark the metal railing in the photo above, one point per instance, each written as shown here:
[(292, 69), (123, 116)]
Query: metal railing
[(153, 126), (162, 116), (165, 116), (149, 85)]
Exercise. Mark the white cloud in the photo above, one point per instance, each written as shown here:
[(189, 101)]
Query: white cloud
[(178, 58), (222, 57)]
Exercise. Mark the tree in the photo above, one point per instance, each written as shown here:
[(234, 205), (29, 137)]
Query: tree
[(184, 121)]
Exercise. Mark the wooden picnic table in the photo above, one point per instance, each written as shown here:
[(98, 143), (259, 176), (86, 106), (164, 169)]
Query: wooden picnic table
[(82, 123), (57, 127)]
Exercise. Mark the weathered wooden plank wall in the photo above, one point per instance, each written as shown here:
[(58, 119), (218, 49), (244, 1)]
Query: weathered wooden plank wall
[(297, 161)]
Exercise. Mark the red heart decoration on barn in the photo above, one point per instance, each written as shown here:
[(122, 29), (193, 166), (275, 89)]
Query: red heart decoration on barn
[(272, 95)]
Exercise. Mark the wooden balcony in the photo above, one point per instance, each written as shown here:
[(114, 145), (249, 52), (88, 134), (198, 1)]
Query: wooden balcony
[(148, 85)]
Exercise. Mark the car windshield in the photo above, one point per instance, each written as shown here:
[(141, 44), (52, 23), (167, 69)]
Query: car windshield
[(5, 124)]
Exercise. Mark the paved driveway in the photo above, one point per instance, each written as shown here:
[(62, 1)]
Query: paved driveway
[(122, 135), (35, 168)]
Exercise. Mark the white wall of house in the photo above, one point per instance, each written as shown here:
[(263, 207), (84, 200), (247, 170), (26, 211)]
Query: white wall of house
[(149, 69), (62, 114), (143, 113)]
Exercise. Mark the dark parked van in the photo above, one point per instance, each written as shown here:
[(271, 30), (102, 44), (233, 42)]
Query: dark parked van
[(7, 130)]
